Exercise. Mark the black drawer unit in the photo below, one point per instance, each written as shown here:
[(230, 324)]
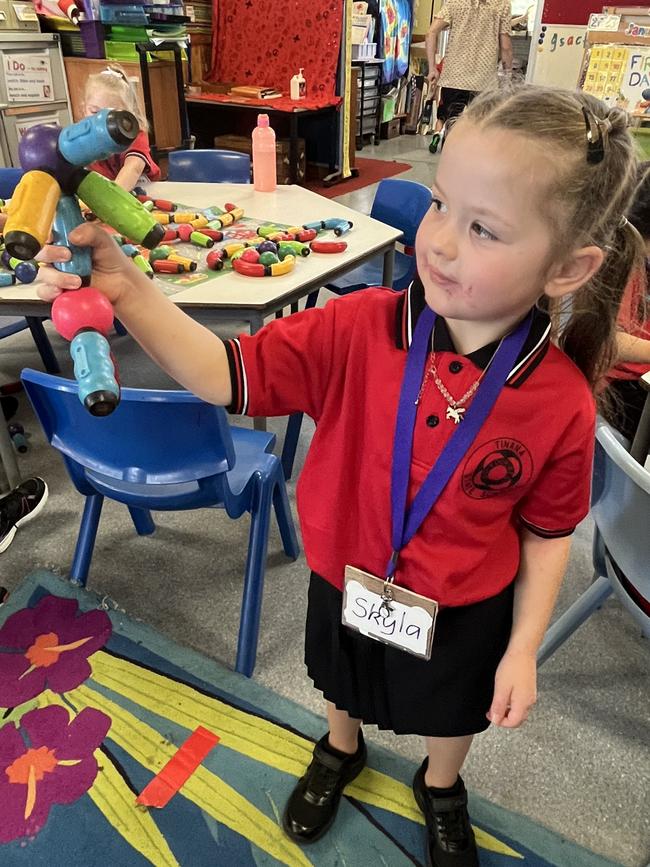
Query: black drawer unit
[(368, 107)]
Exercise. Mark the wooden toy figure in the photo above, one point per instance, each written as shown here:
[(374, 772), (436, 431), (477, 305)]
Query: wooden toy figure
[(45, 201)]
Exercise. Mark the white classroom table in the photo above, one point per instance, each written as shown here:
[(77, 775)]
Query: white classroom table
[(252, 299)]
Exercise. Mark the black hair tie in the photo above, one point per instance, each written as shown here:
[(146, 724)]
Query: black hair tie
[(595, 139)]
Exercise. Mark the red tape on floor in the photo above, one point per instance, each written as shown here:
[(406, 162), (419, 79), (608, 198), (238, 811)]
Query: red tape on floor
[(178, 769)]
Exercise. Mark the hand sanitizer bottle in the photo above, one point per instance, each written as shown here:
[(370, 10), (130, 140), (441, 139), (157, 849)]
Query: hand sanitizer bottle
[(298, 86)]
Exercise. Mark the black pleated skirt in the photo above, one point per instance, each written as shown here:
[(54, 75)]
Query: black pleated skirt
[(446, 696)]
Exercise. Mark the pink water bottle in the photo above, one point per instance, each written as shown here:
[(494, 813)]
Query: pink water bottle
[(264, 164)]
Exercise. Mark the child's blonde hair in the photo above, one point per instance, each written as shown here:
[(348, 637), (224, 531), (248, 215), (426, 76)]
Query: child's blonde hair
[(592, 163), (114, 80)]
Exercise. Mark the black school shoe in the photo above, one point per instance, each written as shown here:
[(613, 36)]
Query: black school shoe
[(450, 838), (20, 506), (313, 804)]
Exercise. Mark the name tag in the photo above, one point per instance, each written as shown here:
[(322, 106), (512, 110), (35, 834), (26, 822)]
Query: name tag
[(397, 617)]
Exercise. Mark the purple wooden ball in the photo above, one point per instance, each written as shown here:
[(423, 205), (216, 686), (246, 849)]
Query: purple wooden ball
[(38, 149), (267, 247)]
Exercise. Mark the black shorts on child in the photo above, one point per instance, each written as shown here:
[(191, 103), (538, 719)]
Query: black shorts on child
[(447, 696)]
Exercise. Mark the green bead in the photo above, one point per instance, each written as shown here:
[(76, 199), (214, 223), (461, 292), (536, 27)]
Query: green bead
[(159, 253), (142, 263), (268, 259)]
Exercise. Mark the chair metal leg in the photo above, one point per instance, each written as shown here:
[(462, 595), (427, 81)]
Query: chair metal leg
[(86, 540), (142, 521), (574, 617), (312, 298), (43, 344), (249, 622), (291, 443), (285, 519)]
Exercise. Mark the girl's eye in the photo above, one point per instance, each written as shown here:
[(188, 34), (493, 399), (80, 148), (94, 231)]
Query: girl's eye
[(483, 233), (438, 206)]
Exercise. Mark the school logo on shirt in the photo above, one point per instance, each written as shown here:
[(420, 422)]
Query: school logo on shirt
[(495, 467)]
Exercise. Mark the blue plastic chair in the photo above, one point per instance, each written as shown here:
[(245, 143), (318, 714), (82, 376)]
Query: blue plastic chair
[(9, 181), (168, 451), (14, 324), (621, 549), (401, 204), (209, 167)]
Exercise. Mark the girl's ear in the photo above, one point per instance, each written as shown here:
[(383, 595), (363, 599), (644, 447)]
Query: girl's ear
[(574, 272)]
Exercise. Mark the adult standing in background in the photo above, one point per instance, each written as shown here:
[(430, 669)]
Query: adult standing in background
[(479, 33)]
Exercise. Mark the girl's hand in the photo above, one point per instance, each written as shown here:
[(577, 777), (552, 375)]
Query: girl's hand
[(515, 689), (113, 272)]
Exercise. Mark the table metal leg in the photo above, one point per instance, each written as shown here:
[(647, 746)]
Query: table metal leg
[(43, 344), (8, 456), (641, 442), (389, 265)]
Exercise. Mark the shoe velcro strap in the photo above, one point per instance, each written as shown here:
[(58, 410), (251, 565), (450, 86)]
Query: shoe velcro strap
[(330, 761), (448, 805)]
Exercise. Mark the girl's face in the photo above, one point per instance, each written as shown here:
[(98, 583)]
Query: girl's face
[(99, 99), (483, 247)]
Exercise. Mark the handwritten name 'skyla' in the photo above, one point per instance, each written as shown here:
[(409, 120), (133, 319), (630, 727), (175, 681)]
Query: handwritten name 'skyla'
[(385, 623)]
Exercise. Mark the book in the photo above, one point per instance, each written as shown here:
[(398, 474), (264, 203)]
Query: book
[(250, 92)]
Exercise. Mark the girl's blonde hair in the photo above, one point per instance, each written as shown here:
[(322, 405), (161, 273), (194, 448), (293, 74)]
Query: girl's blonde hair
[(114, 80), (591, 160)]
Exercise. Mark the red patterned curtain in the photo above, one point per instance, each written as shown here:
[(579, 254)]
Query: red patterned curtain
[(264, 44)]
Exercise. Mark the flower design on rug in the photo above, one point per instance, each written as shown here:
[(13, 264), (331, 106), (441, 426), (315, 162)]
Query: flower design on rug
[(48, 761), (48, 646)]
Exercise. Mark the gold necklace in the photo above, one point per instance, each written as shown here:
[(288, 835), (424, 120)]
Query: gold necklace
[(455, 408)]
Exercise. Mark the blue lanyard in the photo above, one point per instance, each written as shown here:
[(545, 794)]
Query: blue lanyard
[(406, 522)]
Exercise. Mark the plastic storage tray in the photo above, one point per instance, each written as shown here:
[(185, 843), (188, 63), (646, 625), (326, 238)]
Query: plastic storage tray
[(364, 50)]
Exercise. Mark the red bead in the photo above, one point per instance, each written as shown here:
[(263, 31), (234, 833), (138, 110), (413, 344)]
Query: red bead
[(184, 231), (214, 260), (229, 206), (82, 308), (250, 255)]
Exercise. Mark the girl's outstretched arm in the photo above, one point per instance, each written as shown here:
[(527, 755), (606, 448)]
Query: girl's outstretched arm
[(186, 350)]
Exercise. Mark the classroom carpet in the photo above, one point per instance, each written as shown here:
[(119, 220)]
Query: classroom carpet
[(94, 704), (370, 172)]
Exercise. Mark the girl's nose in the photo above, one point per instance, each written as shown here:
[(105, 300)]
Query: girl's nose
[(444, 240)]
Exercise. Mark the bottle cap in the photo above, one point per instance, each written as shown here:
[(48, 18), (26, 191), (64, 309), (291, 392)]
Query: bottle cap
[(262, 120)]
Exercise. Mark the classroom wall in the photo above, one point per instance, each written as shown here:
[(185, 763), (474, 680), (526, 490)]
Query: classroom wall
[(575, 11)]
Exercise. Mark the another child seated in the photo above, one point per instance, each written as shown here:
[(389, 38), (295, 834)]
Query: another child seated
[(111, 88), (633, 340)]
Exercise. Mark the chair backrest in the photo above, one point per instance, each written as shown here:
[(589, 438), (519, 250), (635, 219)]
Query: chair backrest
[(402, 205), (153, 437), (621, 510), (9, 181), (209, 167)]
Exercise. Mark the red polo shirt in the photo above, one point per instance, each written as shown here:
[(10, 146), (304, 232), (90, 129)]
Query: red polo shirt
[(343, 364)]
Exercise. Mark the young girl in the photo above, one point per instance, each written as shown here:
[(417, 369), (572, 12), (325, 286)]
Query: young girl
[(633, 338), (111, 88), (457, 377)]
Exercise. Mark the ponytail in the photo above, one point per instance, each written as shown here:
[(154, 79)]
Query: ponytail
[(588, 336)]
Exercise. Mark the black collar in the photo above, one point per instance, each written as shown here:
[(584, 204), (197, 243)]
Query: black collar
[(411, 303)]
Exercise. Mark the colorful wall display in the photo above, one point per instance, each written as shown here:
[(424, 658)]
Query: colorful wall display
[(619, 74)]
